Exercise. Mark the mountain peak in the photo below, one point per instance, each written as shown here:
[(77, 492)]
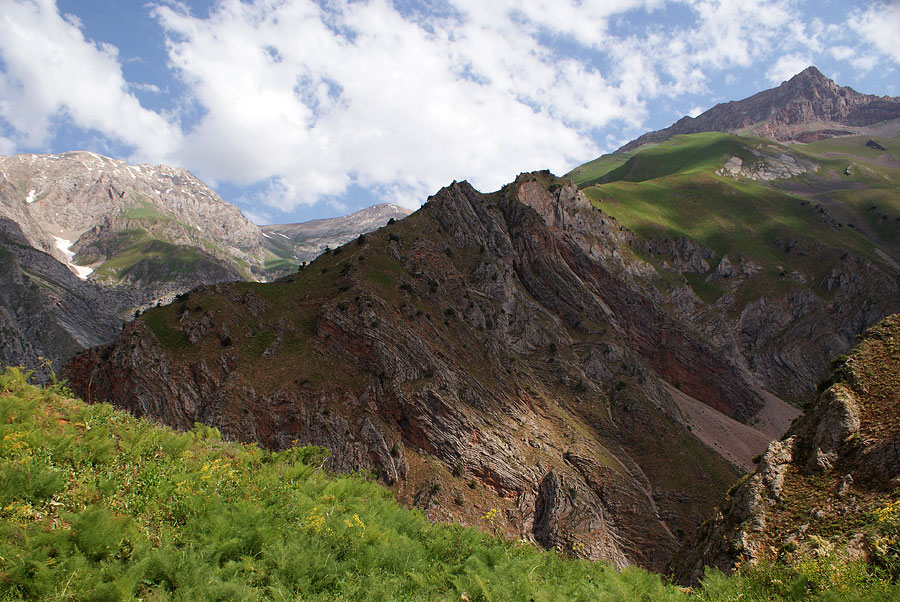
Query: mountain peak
[(805, 108), (813, 79), (811, 73)]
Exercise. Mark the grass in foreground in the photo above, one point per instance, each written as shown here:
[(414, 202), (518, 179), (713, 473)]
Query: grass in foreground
[(98, 505)]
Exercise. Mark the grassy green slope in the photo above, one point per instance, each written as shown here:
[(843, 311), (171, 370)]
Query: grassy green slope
[(671, 190), (98, 505), (139, 254)]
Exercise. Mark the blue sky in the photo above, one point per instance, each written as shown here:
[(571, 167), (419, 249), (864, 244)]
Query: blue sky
[(298, 109)]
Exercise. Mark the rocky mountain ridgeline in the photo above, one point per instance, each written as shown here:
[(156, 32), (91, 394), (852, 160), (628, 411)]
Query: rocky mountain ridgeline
[(807, 107), (829, 486), (84, 198), (500, 350)]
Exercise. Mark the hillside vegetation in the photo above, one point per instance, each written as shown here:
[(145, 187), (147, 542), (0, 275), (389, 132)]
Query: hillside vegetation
[(849, 201), (98, 505)]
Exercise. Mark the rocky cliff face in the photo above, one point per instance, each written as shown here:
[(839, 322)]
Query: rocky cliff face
[(46, 312), (807, 107), (493, 356), (829, 486)]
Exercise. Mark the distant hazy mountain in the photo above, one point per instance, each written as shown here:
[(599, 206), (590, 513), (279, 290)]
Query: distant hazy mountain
[(306, 240)]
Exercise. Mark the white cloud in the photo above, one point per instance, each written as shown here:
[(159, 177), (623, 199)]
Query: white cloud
[(317, 100), (865, 62), (787, 67), (7, 146), (879, 25), (841, 53), (144, 87), (51, 70), (313, 97), (695, 111)]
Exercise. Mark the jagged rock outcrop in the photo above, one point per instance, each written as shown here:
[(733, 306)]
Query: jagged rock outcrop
[(838, 460), (769, 164), (807, 107), (493, 351)]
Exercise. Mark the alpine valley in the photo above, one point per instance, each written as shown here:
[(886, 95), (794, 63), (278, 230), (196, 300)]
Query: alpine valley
[(589, 363)]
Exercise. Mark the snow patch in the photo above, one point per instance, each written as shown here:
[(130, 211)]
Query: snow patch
[(30, 198), (282, 235), (66, 247), (266, 235)]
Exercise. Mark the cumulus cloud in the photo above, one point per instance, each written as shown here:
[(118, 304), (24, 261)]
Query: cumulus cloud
[(314, 98), (356, 93), (787, 67), (52, 71), (306, 100), (879, 26)]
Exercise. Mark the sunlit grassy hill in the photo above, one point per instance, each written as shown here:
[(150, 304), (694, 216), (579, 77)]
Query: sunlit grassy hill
[(848, 200), (97, 505)]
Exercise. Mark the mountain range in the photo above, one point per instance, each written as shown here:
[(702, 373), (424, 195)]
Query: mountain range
[(591, 360), (90, 240)]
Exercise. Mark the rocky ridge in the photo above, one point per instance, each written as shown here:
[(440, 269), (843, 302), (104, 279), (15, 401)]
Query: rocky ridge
[(490, 352), (830, 485), (807, 107), (769, 250)]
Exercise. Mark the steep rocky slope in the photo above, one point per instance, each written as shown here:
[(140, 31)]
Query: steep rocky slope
[(807, 107), (830, 486), (784, 254), (307, 240), (46, 312), (114, 216), (491, 355)]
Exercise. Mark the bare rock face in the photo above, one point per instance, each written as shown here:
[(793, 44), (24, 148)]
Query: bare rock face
[(838, 460), (490, 355), (47, 314), (838, 421), (806, 108), (564, 520), (770, 164), (71, 194)]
